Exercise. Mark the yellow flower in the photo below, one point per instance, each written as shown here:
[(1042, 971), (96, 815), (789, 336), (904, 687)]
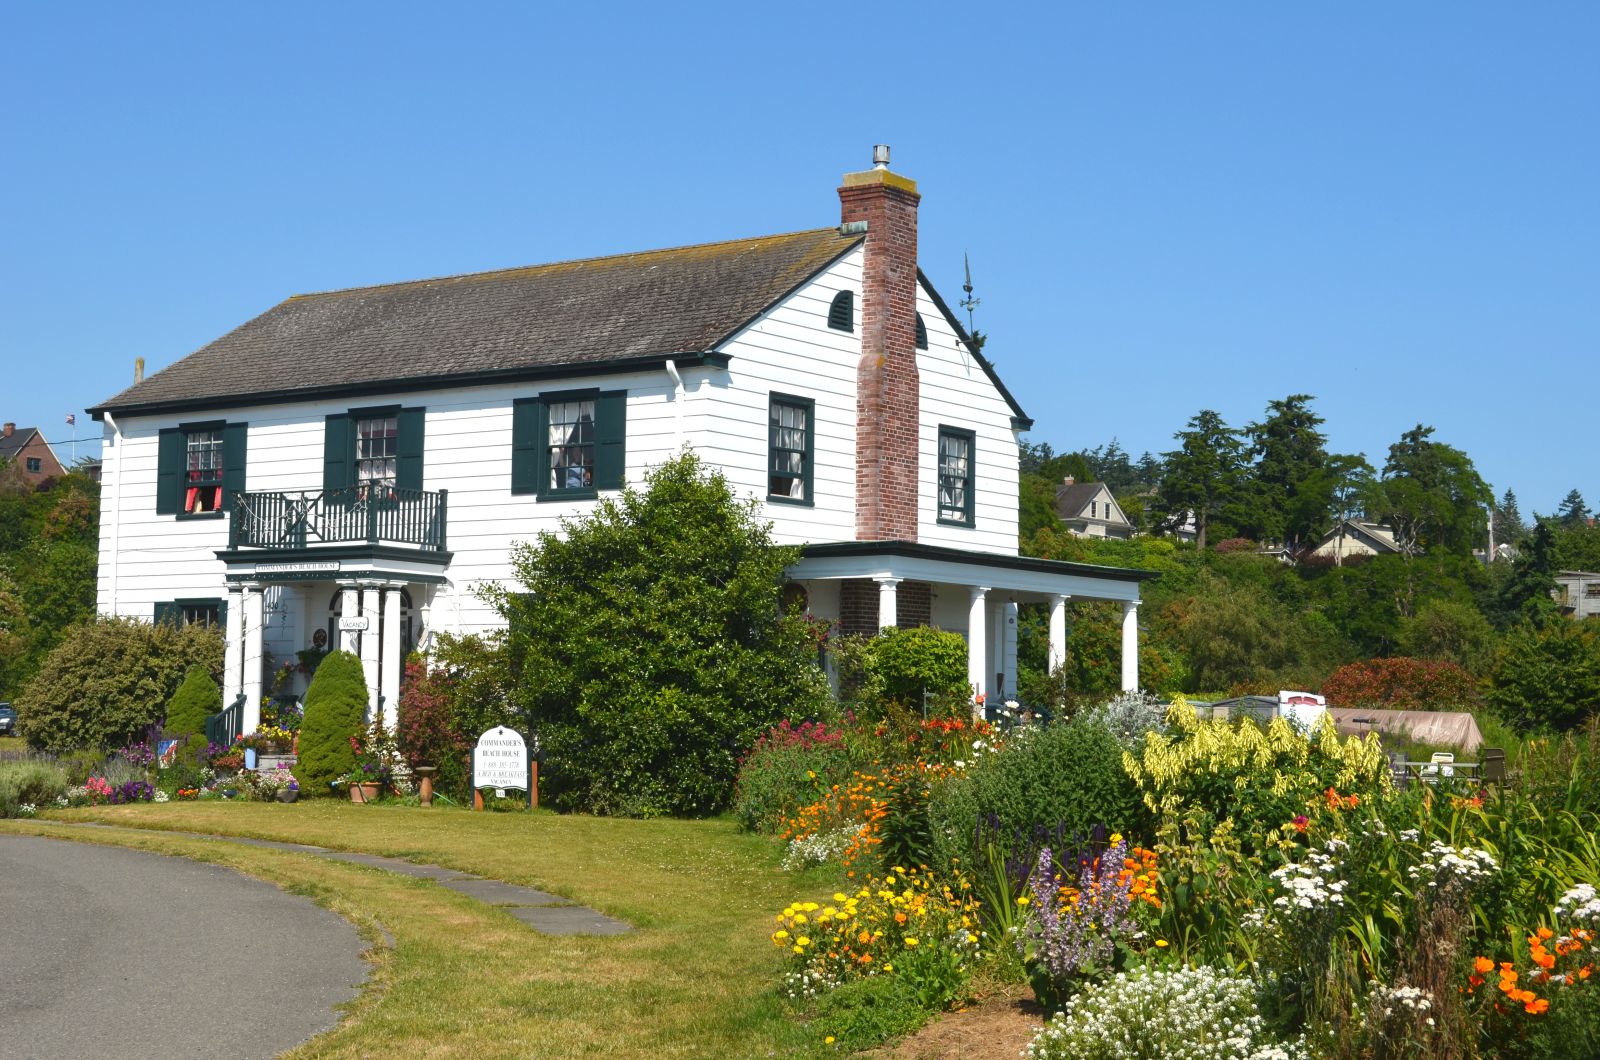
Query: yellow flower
[(810, 907), (1116, 837), (802, 941), (1161, 944), (799, 949), (911, 942), (828, 1040), (839, 897), (1022, 900), (780, 934), (799, 918)]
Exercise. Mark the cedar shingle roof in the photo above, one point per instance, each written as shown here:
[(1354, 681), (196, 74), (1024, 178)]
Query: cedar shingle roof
[(597, 311)]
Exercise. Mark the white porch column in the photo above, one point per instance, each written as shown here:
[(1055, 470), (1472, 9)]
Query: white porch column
[(1058, 630), (1130, 645), (425, 616), (977, 637), (350, 607), (233, 647), (888, 604), (369, 648), (1008, 653), (254, 621), (390, 685)]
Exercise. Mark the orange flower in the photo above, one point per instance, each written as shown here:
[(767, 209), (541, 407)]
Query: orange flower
[(1537, 1007), (1483, 964)]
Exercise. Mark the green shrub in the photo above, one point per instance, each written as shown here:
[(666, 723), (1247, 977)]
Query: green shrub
[(29, 782), (80, 765), (336, 710), (920, 659), (109, 680), (1065, 778), (1548, 676), (196, 699), (650, 648)]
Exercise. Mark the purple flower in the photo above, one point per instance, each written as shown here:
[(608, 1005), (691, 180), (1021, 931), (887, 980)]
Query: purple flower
[(1067, 939)]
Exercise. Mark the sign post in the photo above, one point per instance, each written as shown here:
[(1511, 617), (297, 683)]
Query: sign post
[(501, 761)]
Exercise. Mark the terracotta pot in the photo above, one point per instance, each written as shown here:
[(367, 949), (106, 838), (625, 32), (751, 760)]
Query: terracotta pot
[(364, 792)]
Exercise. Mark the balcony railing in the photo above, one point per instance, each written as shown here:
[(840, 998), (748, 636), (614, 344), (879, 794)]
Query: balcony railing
[(370, 514)]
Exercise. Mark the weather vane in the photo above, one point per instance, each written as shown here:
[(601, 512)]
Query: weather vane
[(969, 303)]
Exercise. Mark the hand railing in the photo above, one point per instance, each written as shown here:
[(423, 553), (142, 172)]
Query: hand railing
[(369, 513)]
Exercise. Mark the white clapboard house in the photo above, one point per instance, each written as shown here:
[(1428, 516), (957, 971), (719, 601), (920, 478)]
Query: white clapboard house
[(348, 468)]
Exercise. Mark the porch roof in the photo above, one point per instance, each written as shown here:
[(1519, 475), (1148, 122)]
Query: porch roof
[(955, 566)]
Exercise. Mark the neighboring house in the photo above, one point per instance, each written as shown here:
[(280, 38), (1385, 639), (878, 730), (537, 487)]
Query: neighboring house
[(26, 449), (1087, 509), (1185, 529), (349, 468), (1578, 593), (1350, 538)]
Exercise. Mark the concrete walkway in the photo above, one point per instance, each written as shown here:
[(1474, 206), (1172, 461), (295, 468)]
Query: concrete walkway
[(541, 911), (106, 951)]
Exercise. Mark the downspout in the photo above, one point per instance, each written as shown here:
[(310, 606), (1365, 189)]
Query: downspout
[(679, 393), (116, 511)]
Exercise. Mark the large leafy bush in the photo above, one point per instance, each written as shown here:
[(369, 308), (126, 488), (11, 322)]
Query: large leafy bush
[(1548, 677), (110, 679), (1402, 684), (336, 710), (196, 699), (920, 659), (427, 731), (1045, 784), (652, 649)]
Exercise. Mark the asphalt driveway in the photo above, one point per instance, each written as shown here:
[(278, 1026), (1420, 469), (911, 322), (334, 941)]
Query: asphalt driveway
[(112, 952)]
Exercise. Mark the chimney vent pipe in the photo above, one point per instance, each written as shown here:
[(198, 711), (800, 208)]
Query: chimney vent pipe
[(880, 156)]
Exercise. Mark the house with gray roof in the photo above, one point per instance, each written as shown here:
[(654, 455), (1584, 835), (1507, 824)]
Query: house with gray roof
[(1087, 509), (1353, 539), (350, 467), (27, 454)]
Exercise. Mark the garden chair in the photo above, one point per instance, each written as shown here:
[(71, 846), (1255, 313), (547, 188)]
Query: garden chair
[(1492, 765), (1444, 763)]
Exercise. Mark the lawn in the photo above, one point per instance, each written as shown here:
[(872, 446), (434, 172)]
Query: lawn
[(695, 979)]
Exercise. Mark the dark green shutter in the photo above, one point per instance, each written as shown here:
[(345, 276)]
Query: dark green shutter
[(171, 455), (338, 452), (235, 445), (169, 612), (527, 438), (922, 333), (842, 312), (611, 436), (408, 447)]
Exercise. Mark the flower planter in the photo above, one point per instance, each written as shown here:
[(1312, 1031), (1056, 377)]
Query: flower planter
[(266, 762), (364, 792), (288, 795)]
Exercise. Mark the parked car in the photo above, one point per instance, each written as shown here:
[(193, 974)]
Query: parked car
[(8, 720)]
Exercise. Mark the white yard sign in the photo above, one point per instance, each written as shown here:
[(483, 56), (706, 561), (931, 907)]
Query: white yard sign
[(500, 760)]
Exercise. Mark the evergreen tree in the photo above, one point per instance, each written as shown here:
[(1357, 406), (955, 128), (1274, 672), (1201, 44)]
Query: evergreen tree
[(1508, 525), (1203, 475), (1573, 512), (336, 709), (1289, 499), (196, 699), (1431, 495), (1525, 597)]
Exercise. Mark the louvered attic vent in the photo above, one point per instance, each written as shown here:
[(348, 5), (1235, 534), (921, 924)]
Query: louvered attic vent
[(922, 333), (842, 313)]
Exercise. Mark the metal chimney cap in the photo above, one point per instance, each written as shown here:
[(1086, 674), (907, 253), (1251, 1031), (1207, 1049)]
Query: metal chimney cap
[(880, 156)]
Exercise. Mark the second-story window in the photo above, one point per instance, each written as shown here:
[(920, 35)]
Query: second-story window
[(789, 448), (35, 464), (377, 454), (199, 468), (203, 477), (571, 445), (956, 476)]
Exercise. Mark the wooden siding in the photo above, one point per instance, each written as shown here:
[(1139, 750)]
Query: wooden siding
[(956, 392)]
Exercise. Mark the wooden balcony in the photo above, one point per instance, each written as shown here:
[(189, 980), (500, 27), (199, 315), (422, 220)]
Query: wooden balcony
[(357, 514)]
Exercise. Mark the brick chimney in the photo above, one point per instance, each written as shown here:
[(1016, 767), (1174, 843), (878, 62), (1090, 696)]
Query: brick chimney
[(886, 378), (10, 429)]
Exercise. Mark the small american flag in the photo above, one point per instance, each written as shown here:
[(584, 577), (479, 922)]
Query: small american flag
[(72, 417)]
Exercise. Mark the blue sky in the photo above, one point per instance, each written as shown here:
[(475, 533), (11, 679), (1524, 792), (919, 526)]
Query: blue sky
[(1169, 206)]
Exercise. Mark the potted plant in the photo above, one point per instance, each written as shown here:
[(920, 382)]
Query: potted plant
[(372, 769)]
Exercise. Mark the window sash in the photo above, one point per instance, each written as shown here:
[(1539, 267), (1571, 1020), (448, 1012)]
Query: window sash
[(570, 444), (203, 466), (787, 445), (955, 478), (207, 615), (377, 450)]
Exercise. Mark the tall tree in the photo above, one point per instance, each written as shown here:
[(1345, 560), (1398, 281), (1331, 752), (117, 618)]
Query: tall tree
[(1508, 525), (1431, 495), (1573, 512), (1338, 488), (1526, 595), (1289, 499), (1203, 475)]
